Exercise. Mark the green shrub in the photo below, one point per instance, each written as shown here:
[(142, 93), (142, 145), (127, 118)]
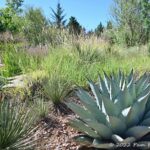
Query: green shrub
[(117, 114), (17, 61)]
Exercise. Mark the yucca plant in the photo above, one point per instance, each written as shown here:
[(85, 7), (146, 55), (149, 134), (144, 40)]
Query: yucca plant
[(3, 81), (16, 125), (117, 116)]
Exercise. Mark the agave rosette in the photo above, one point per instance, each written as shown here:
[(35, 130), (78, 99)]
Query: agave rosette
[(118, 113)]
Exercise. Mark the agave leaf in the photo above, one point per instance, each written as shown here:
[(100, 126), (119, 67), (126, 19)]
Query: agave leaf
[(124, 99), (130, 77), (114, 90), (83, 139), (146, 122), (147, 115), (88, 101), (148, 105), (117, 139), (82, 127), (86, 114), (107, 81), (132, 91), (91, 106), (137, 131), (101, 129), (99, 144), (122, 81), (117, 125), (103, 87), (96, 93), (86, 98), (125, 111), (129, 140), (144, 94), (110, 107), (136, 112), (80, 111), (141, 83)]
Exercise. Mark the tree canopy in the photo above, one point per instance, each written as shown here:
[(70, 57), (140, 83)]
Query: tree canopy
[(74, 26)]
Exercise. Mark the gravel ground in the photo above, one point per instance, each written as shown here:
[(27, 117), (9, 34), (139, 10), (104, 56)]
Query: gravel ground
[(55, 134)]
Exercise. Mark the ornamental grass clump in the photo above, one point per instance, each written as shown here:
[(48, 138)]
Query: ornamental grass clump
[(56, 89), (117, 116)]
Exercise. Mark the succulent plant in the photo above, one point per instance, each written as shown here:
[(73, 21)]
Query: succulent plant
[(118, 113)]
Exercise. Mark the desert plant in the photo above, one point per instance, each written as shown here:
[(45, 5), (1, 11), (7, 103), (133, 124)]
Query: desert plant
[(56, 88), (15, 127), (118, 116), (3, 81)]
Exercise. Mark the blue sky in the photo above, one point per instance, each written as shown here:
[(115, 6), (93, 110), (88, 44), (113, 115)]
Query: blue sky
[(88, 12)]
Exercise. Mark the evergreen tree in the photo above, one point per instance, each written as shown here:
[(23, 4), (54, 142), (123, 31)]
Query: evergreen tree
[(58, 17), (99, 30), (109, 25), (74, 26)]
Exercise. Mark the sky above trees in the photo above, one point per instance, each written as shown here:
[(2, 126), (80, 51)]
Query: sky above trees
[(89, 13)]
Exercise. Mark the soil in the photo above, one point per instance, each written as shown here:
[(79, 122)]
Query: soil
[(54, 133)]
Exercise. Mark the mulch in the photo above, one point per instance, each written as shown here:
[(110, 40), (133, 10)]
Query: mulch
[(54, 133)]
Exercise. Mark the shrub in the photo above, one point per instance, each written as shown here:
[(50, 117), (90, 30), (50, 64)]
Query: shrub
[(17, 61)]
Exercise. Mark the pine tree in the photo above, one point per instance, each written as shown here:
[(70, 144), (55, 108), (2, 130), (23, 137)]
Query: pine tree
[(99, 29), (58, 17), (109, 25), (74, 26)]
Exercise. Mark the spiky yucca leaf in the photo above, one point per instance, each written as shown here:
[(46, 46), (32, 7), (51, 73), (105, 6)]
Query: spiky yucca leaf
[(15, 127), (119, 112)]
